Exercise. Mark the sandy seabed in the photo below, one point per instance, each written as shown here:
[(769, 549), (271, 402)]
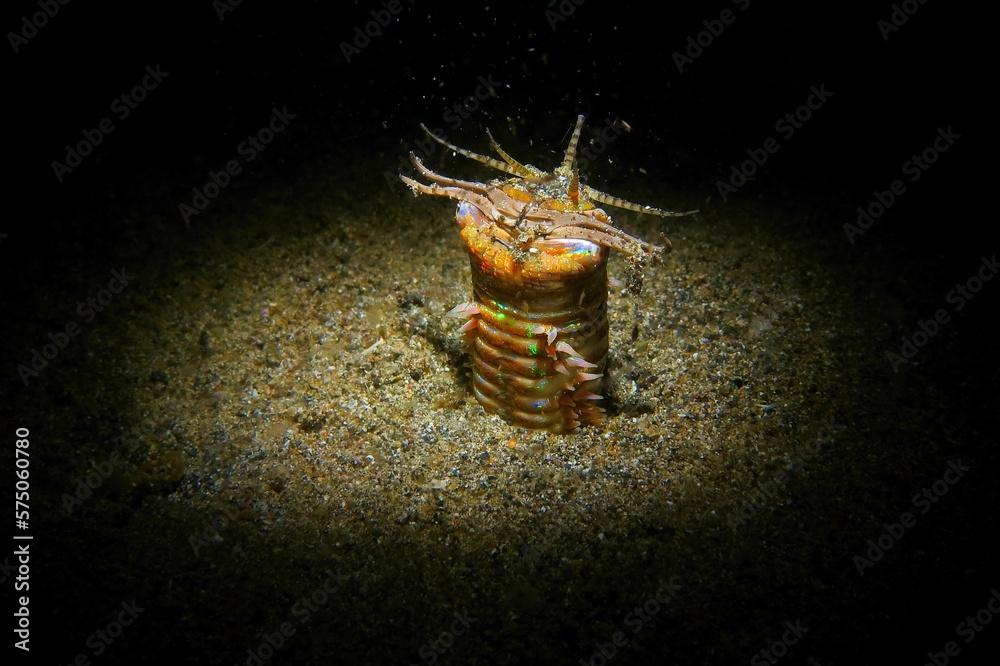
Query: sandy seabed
[(277, 407)]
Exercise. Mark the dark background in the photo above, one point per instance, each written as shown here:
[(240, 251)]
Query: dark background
[(608, 60)]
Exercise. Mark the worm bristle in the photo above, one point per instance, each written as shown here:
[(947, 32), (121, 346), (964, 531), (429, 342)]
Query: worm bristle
[(463, 310)]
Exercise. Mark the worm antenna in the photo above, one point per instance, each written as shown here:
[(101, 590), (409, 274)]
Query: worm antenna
[(482, 159), (522, 170), (618, 202), (574, 186), (570, 157)]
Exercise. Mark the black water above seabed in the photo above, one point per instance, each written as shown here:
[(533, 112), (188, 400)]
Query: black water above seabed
[(252, 435)]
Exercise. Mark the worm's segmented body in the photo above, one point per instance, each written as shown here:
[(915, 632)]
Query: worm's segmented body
[(537, 328), (538, 331)]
